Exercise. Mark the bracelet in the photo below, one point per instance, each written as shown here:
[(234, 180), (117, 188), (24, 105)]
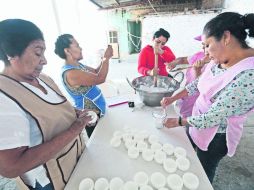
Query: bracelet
[(180, 121)]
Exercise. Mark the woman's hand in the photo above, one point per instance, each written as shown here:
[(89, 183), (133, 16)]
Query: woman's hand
[(16, 161), (83, 120), (109, 52), (84, 111), (152, 72), (157, 47), (170, 66), (198, 65), (166, 101), (202, 62), (178, 61), (78, 112), (171, 122)]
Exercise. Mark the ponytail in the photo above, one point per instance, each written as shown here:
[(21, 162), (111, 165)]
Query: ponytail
[(248, 20)]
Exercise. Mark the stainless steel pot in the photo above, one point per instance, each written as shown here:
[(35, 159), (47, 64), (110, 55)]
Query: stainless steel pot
[(166, 87)]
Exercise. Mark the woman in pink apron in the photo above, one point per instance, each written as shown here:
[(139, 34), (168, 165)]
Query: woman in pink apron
[(198, 61), (226, 90), (184, 105)]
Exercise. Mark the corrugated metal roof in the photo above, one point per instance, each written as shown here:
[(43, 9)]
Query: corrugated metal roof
[(110, 4), (162, 6)]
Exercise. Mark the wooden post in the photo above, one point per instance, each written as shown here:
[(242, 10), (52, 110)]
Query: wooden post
[(155, 73)]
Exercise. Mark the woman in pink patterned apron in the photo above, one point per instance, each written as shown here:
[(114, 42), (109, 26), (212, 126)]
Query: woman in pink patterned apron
[(226, 90), (197, 61)]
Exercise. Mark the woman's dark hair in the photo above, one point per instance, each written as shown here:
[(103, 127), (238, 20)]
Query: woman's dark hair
[(61, 43), (238, 25), (161, 32), (15, 36)]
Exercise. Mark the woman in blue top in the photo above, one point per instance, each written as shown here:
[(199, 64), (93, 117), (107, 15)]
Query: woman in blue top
[(80, 80)]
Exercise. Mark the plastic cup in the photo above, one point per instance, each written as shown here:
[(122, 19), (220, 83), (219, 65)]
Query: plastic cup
[(159, 117)]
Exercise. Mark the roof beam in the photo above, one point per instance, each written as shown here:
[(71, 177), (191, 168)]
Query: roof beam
[(117, 2), (124, 5), (98, 5)]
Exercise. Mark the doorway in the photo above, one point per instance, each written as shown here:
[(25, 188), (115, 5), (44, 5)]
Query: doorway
[(134, 36), (113, 41)]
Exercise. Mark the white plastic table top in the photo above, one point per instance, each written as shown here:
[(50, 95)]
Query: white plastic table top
[(99, 159)]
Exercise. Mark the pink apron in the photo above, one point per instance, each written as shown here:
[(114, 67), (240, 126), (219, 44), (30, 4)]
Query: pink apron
[(186, 104), (203, 137)]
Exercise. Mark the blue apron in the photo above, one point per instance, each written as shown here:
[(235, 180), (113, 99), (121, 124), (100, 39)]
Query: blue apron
[(93, 94)]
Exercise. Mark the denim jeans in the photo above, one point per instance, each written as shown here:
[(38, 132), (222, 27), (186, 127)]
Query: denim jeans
[(210, 159), (39, 187)]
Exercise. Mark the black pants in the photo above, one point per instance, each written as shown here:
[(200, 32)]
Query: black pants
[(210, 159), (89, 130), (39, 187)]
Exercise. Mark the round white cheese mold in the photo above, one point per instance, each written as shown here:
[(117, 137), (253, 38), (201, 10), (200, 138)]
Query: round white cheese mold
[(118, 134), (86, 184), (170, 165), (190, 181), (130, 185), (101, 184), (141, 145), (93, 115), (127, 136), (158, 180), (160, 156), (148, 154), (175, 182), (115, 142), (183, 163), (156, 146), (152, 139), (141, 178), (133, 152), (116, 183), (179, 151), (168, 148), (146, 187), (163, 188), (130, 143)]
